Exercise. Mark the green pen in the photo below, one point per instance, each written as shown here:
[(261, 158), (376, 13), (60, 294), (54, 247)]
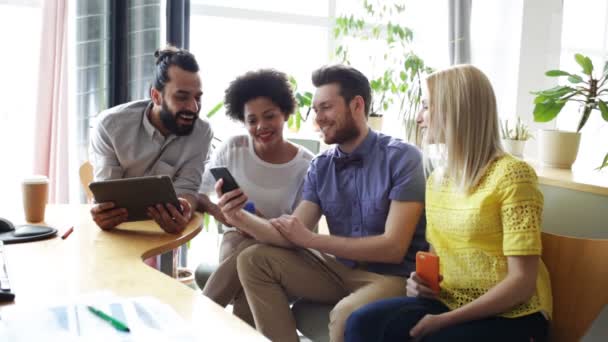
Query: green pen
[(115, 323)]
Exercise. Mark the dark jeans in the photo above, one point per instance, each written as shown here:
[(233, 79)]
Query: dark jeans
[(392, 319)]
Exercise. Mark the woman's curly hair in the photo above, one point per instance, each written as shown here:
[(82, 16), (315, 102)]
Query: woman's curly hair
[(268, 83)]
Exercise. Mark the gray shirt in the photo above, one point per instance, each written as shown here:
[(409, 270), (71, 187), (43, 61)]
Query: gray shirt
[(125, 144)]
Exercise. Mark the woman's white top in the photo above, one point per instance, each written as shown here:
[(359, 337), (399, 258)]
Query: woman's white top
[(275, 189)]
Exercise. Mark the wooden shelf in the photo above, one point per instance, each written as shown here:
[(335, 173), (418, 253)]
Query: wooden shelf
[(579, 179)]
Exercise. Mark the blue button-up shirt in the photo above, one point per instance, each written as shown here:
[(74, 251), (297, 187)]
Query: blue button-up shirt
[(355, 198)]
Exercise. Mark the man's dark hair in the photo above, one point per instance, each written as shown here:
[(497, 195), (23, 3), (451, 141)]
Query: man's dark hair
[(352, 82), (268, 83), (167, 57)]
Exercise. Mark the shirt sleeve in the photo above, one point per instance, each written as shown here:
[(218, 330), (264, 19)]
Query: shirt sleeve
[(298, 197), (408, 176), (309, 189), (521, 212), (103, 156), (219, 157), (188, 178)]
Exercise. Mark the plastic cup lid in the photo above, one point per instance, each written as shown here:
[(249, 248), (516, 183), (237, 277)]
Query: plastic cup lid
[(36, 179)]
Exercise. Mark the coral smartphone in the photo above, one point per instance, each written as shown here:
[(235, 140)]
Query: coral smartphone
[(222, 172), (427, 268)]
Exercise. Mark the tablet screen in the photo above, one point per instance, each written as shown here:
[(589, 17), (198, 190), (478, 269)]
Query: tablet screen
[(136, 194)]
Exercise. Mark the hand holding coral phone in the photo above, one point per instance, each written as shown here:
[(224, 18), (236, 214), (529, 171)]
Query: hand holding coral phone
[(427, 268)]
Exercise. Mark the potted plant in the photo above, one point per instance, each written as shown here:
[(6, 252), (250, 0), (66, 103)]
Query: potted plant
[(397, 83), (514, 139), (558, 148), (303, 103)]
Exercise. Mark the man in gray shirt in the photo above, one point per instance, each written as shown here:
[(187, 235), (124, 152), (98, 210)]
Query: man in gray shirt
[(160, 136)]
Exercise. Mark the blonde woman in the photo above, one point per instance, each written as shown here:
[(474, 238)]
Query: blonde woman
[(483, 210)]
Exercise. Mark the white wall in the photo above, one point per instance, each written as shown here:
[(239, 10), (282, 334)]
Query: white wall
[(514, 43), (539, 51), (495, 47)]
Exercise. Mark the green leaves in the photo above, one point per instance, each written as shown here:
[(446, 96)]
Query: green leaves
[(585, 117), (603, 109), (557, 91), (290, 121), (395, 86), (604, 163), (547, 111), (298, 120), (556, 73), (585, 63), (215, 109), (575, 79), (550, 102), (303, 100), (206, 221), (585, 90)]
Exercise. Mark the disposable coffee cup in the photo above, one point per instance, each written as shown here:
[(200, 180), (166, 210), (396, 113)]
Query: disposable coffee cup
[(35, 195)]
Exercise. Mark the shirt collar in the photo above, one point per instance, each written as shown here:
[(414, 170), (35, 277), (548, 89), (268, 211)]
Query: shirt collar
[(364, 147), (150, 129)]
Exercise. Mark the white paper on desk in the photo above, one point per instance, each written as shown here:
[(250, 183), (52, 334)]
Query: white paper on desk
[(147, 318)]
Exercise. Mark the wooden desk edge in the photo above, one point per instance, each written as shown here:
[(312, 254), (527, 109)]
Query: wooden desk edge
[(166, 247)]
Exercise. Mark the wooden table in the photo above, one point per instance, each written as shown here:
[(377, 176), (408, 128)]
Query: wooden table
[(91, 260)]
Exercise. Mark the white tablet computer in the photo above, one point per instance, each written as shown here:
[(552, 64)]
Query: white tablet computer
[(136, 194)]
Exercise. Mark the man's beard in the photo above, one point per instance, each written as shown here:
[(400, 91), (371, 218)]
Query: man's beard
[(347, 132), (169, 120)]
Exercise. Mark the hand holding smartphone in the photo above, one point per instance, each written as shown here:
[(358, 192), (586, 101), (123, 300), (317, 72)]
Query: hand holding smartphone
[(222, 172), (427, 268)]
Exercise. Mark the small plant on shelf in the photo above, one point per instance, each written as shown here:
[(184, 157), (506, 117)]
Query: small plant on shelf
[(519, 132), (514, 138)]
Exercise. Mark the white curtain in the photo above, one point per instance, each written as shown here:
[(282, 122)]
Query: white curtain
[(51, 138)]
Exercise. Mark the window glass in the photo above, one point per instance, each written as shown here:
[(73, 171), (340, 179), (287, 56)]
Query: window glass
[(576, 38), (19, 62), (428, 21), (308, 7), (224, 51)]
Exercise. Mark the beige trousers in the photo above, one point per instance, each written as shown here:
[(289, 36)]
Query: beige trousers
[(271, 275), (223, 286)]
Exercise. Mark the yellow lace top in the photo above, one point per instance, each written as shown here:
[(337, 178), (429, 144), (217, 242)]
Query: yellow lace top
[(474, 233)]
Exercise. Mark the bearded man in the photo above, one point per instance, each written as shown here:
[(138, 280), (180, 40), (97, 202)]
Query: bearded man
[(159, 136)]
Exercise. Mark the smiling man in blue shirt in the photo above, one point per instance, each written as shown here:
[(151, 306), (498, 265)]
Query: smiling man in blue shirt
[(370, 187)]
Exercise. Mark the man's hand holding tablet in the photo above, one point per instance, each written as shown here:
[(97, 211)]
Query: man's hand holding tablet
[(140, 198), (169, 218), (107, 216)]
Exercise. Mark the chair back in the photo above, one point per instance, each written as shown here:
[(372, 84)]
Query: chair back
[(314, 145), (579, 282), (86, 177)]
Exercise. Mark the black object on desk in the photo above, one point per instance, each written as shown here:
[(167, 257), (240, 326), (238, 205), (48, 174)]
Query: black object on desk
[(24, 233), (5, 287)]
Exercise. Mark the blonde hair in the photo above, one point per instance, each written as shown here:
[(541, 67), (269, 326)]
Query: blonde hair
[(463, 117)]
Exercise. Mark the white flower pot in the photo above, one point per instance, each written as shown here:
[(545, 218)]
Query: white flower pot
[(558, 148), (514, 147)]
